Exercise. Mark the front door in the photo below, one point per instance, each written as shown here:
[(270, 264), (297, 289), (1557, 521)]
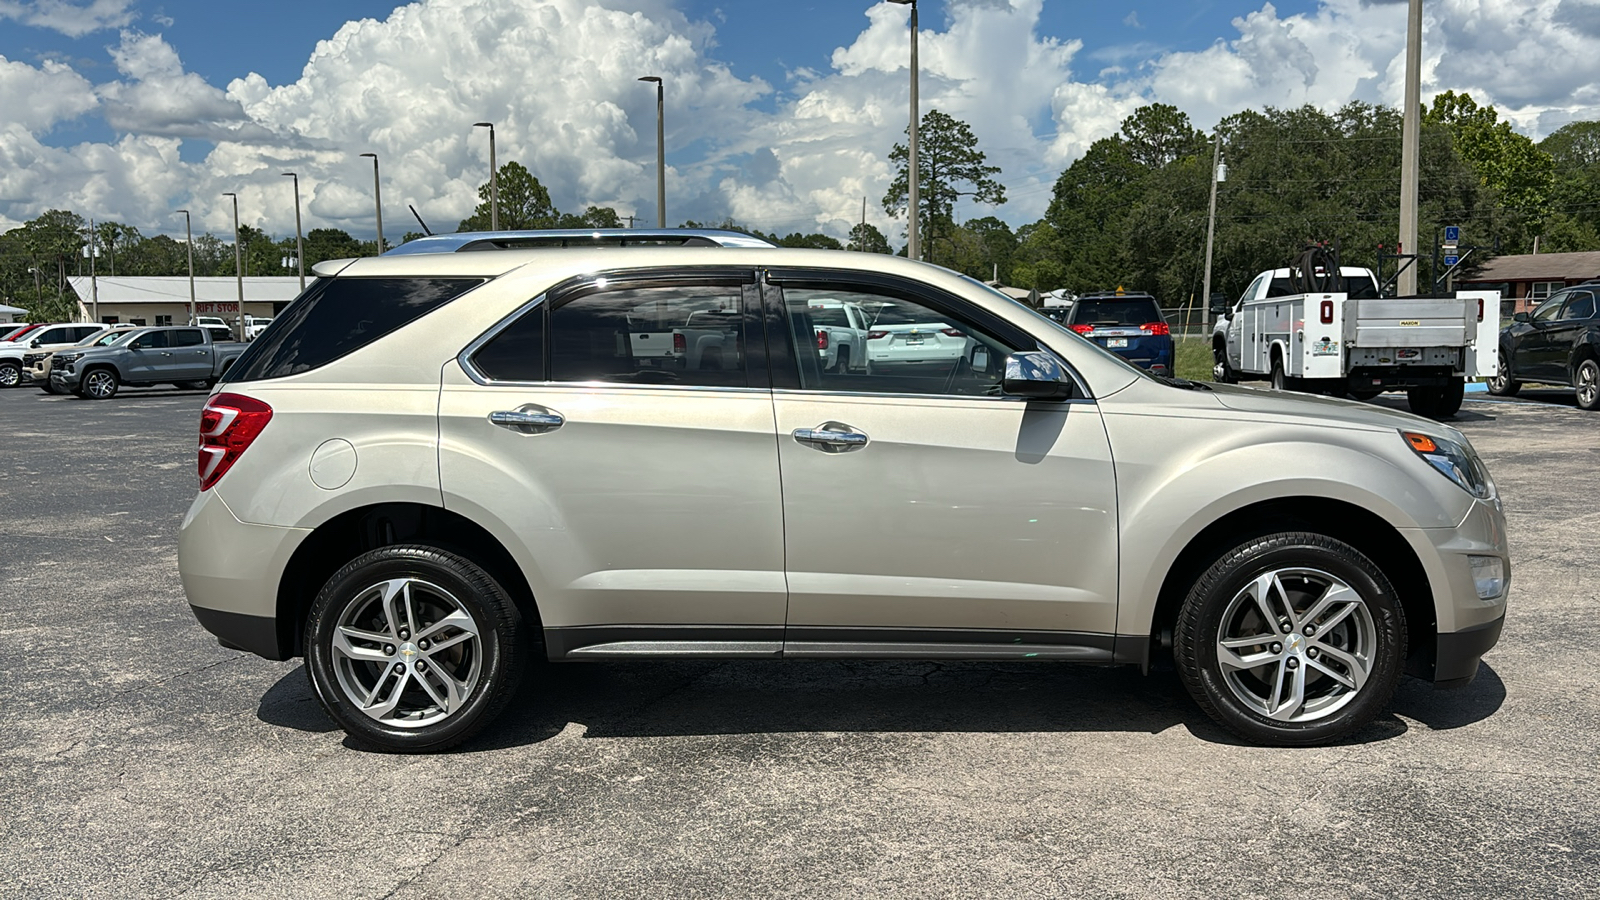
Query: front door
[(149, 355), (925, 513), (1533, 353), (641, 492)]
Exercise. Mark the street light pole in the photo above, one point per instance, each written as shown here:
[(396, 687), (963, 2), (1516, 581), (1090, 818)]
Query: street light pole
[(1410, 133), (299, 239), (913, 238), (94, 283), (377, 199), (188, 236), (661, 150), (494, 179), (38, 289), (238, 261)]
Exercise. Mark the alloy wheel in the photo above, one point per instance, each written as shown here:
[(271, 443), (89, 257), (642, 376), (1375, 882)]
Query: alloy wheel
[(1296, 644), (407, 653), (10, 376), (100, 384), (1588, 384)]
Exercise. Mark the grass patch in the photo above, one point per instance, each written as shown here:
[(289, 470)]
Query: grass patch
[(1194, 359)]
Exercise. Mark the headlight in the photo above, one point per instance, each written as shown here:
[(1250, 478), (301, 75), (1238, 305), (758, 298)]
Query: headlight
[(1454, 462)]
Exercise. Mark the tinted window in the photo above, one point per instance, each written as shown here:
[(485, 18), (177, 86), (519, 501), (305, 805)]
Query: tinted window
[(337, 316), (187, 337), (1579, 306), (1357, 286), (517, 353), (1548, 310), (1116, 312), (910, 349), (689, 335), (152, 340)]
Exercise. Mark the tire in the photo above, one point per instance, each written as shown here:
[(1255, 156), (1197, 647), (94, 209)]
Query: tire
[(1222, 371), (1502, 384), (441, 696), (1587, 380), (1364, 395), (201, 385), (98, 384), (1338, 675), (10, 374), (47, 387), (1450, 398), (1280, 381), (842, 366)]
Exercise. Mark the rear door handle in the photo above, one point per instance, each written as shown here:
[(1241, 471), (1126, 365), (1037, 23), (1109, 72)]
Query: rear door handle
[(832, 437), (529, 419)]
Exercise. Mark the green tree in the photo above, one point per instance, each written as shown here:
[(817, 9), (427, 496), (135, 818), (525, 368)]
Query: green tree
[(1574, 220), (949, 166), (524, 203), (593, 217), (330, 243), (1158, 134), (866, 237), (1506, 161), (807, 241)]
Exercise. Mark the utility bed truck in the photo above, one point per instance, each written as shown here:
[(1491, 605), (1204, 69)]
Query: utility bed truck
[(1349, 341)]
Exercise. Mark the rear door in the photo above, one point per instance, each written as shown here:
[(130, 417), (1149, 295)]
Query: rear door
[(924, 513), (642, 499), (191, 356), (1561, 336)]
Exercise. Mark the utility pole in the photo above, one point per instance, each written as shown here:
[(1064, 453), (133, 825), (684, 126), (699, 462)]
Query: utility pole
[(238, 261), (377, 200), (188, 236), (494, 179), (1211, 232), (299, 240), (661, 150), (1410, 133), (94, 283), (861, 240)]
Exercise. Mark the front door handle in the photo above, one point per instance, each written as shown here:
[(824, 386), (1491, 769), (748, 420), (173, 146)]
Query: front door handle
[(831, 437), (529, 419)]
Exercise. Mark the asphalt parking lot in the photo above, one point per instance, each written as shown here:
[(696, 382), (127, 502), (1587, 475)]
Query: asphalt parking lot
[(142, 759)]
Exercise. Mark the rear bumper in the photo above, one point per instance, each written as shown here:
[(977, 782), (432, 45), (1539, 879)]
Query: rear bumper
[(231, 572), (1393, 377)]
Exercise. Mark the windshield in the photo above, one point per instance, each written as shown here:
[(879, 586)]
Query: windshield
[(1056, 328)]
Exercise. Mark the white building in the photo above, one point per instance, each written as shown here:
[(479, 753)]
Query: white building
[(9, 314), (164, 299)]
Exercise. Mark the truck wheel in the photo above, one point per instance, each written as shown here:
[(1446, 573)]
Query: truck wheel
[(843, 365), (1221, 371), (413, 649), (1280, 381), (1451, 396), (1364, 395), (204, 385), (1291, 639), (47, 387), (10, 374), (98, 384), (1425, 401), (1587, 381), (1502, 384)]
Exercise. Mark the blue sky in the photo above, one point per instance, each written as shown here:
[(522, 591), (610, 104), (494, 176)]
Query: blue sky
[(780, 114)]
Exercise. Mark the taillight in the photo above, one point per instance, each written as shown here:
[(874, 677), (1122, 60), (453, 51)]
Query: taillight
[(1081, 329), (679, 343), (822, 340), (1155, 328), (228, 424), (1327, 312), (877, 335), (952, 332)]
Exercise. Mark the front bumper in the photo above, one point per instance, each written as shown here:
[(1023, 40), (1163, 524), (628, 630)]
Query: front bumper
[(65, 379), (230, 573), (1467, 626)]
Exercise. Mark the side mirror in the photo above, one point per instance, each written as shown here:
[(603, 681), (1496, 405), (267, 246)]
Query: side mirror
[(1521, 317), (1036, 375), (35, 345), (1220, 306)]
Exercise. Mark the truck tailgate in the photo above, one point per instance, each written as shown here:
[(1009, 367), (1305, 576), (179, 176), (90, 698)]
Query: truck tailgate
[(1411, 322)]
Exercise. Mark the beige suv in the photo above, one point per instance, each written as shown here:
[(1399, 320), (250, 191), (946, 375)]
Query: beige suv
[(435, 465)]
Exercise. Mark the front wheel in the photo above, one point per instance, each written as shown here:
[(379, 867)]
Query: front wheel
[(98, 384), (1587, 381), (1221, 370), (1291, 639), (202, 385), (413, 649), (10, 374)]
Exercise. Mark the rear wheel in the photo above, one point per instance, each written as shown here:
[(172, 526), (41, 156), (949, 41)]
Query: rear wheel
[(413, 649), (1291, 639), (1280, 381), (195, 385), (1364, 395), (1437, 402), (1587, 381)]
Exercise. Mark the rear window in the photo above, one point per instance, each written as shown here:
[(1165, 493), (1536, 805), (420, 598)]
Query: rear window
[(1134, 311), (338, 316)]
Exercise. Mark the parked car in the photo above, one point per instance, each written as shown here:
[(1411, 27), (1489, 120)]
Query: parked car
[(420, 476), (254, 325), (1558, 344), (1128, 324), (45, 337), (182, 355), (14, 329), (841, 333), (36, 363), (900, 335)]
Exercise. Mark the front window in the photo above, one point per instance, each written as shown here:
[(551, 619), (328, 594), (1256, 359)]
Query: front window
[(1550, 309)]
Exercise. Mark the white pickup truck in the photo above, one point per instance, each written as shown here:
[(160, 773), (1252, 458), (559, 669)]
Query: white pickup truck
[(841, 329), (1353, 342), (706, 339)]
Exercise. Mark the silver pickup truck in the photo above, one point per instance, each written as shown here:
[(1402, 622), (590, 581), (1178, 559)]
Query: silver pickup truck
[(186, 356)]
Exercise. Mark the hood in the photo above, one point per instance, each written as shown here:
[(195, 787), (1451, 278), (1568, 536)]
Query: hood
[(1328, 410)]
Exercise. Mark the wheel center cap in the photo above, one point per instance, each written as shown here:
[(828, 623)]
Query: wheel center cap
[(409, 652), (1295, 643)]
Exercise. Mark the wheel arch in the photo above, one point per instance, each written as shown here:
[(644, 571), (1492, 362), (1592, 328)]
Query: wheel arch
[(356, 531), (1361, 528)]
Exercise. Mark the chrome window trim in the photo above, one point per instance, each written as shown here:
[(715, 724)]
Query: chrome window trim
[(464, 358), (943, 398)]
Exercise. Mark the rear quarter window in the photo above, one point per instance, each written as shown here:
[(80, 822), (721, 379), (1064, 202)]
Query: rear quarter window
[(338, 316)]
